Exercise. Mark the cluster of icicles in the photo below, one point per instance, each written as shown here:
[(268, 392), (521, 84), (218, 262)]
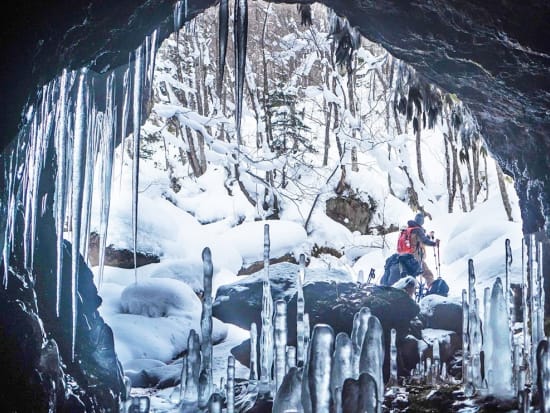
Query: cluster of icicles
[(68, 116), (310, 377), (515, 365)]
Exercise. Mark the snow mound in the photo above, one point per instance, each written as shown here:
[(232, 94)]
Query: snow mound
[(187, 271), (161, 297), (248, 239)]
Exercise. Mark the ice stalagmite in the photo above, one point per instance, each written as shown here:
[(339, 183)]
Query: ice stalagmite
[(288, 397), (360, 326), (215, 403), (61, 147), (307, 334), (361, 277), (474, 331), (543, 376), (266, 335), (316, 379), (487, 346), (106, 156), (369, 398), (300, 308), (193, 367), (437, 374), (253, 352), (206, 327), (500, 363), (223, 30), (533, 302), (79, 163), (466, 359), (359, 395), (508, 263), (136, 119), (230, 396), (537, 295), (342, 364), (290, 358), (280, 340), (240, 33), (393, 357), (372, 355)]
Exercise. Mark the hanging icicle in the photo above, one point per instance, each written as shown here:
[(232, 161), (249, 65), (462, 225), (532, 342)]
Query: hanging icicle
[(137, 100), (79, 164), (126, 94), (107, 157), (266, 335), (240, 34), (223, 30)]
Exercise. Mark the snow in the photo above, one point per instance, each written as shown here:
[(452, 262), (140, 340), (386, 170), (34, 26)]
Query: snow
[(285, 237), (151, 320)]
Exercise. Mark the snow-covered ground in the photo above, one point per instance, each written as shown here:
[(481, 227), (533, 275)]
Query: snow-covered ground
[(151, 319)]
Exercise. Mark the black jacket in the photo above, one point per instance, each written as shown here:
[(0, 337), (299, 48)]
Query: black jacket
[(420, 233)]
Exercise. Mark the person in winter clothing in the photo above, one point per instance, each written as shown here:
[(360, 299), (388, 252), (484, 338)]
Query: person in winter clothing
[(419, 240)]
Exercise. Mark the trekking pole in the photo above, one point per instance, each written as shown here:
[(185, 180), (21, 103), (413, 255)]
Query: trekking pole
[(438, 262), (436, 258), (420, 289)]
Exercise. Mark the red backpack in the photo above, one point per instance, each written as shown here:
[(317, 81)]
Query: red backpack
[(404, 242)]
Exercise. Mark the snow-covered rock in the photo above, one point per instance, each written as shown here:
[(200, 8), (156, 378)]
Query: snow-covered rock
[(153, 320)]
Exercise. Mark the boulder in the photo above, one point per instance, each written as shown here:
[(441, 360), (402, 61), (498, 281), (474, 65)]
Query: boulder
[(333, 303), (118, 257), (449, 343), (444, 313), (353, 213), (240, 303)]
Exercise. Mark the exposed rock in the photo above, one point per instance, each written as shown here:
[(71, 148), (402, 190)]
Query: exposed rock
[(240, 303), (443, 313), (259, 265), (355, 214), (330, 303), (118, 257), (449, 343)]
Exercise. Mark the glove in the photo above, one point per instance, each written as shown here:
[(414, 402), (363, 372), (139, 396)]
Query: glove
[(437, 243)]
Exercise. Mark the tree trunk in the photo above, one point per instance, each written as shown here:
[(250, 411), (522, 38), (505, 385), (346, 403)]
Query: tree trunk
[(470, 179), (419, 151), (328, 112), (354, 165), (503, 192), (448, 174), (456, 168), (413, 195), (477, 182), (486, 177)]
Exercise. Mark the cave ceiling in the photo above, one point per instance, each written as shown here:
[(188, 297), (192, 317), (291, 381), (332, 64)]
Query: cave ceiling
[(494, 55)]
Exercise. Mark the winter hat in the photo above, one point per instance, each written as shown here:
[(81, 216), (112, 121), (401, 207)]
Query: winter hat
[(419, 219)]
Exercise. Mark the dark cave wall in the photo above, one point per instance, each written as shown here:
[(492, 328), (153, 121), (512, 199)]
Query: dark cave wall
[(493, 54)]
